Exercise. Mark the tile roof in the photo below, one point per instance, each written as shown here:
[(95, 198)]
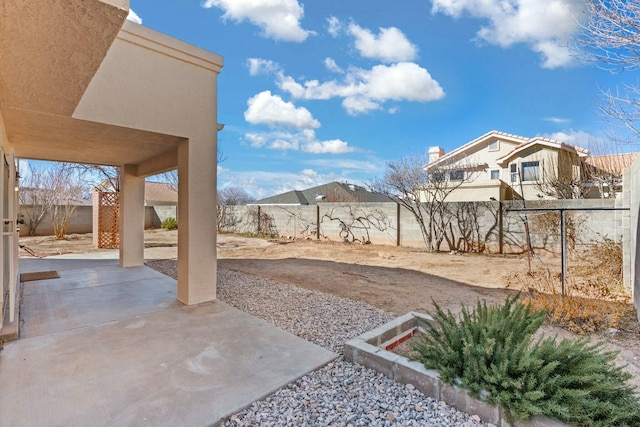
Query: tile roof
[(522, 141), (613, 162), (160, 192)]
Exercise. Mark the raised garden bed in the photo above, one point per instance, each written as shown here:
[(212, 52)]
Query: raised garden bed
[(372, 349)]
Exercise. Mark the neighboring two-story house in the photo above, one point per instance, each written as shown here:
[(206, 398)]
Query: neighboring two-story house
[(502, 166)]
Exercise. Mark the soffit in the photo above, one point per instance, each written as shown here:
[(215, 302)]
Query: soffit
[(50, 50), (51, 137)]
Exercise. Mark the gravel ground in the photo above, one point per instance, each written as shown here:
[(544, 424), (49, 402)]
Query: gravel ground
[(341, 393)]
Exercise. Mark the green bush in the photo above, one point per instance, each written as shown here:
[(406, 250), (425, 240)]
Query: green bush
[(169, 224), (491, 353)]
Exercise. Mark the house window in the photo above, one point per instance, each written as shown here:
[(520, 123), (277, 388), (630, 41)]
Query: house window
[(494, 174), (514, 173), (456, 175), (437, 177), (494, 145), (531, 171)]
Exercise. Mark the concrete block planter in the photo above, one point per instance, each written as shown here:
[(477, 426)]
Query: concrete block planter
[(371, 349)]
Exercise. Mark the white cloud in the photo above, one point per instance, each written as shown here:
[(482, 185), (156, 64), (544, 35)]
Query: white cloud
[(334, 146), (334, 26), (256, 140), (263, 184), (545, 25), (304, 140), (357, 165), (574, 137), (557, 120), (331, 65), (279, 19), (133, 17), (261, 66), (360, 105), (265, 108), (390, 45), (555, 54), (285, 145), (366, 90)]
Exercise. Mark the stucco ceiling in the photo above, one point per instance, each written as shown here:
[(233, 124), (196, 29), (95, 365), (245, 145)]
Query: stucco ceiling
[(49, 53), (50, 50), (51, 137)]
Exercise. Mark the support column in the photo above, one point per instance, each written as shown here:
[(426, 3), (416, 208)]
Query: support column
[(131, 217), (197, 263)]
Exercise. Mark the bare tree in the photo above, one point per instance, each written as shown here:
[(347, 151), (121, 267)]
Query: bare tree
[(105, 178), (172, 178), (35, 198), (234, 196), (605, 167), (227, 218), (68, 186), (610, 36), (569, 176), (423, 190), (466, 218), (403, 181), (563, 176)]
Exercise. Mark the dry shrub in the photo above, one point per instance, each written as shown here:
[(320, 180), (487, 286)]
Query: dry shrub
[(594, 299), (600, 269), (581, 315)]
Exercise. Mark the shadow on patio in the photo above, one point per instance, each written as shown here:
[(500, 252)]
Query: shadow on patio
[(105, 345)]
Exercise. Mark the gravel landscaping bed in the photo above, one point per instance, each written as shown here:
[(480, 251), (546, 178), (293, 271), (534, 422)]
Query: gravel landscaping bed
[(341, 393)]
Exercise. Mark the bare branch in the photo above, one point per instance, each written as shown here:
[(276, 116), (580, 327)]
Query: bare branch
[(611, 34), (610, 37), (422, 189)]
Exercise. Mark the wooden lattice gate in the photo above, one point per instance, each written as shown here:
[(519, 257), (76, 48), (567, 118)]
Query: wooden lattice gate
[(106, 220)]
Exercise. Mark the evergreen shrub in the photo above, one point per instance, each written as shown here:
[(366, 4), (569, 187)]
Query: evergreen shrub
[(490, 351), (169, 224)]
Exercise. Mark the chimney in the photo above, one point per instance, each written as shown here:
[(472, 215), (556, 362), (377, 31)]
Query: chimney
[(435, 153)]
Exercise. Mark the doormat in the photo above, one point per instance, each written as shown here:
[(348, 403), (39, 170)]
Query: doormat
[(39, 275)]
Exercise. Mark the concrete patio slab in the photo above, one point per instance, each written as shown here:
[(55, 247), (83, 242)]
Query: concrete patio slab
[(141, 358)]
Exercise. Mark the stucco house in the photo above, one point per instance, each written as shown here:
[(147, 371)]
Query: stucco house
[(79, 83), (503, 166)]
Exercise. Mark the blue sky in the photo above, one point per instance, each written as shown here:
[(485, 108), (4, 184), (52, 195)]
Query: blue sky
[(317, 91)]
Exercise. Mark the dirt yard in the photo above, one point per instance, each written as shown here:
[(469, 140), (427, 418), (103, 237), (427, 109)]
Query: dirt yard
[(392, 278)]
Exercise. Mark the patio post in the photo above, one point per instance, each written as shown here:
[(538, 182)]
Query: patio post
[(131, 217), (197, 217)]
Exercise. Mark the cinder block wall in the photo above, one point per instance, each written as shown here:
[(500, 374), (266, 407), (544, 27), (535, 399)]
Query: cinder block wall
[(379, 222), (82, 220)]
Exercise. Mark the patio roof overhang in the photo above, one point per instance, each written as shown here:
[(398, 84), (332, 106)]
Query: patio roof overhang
[(80, 83), (60, 47), (42, 136), (62, 110)]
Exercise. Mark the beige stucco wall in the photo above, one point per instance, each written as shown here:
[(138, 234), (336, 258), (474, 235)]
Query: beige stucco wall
[(51, 50), (553, 163), (480, 190), (153, 82), (485, 156), (3, 132), (84, 86), (481, 155)]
